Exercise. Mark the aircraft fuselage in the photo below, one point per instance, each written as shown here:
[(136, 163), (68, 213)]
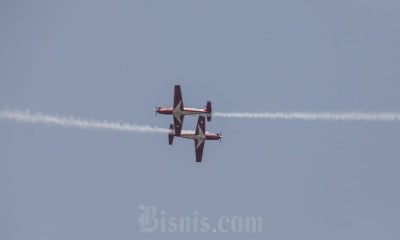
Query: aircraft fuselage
[(207, 136), (177, 112)]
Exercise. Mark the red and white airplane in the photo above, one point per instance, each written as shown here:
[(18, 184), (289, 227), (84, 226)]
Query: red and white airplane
[(179, 111), (199, 137)]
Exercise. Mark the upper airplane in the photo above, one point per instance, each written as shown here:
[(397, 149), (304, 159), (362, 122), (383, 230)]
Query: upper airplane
[(199, 137), (179, 111)]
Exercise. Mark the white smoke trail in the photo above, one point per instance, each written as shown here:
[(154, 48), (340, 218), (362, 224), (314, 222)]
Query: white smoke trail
[(26, 116), (310, 116)]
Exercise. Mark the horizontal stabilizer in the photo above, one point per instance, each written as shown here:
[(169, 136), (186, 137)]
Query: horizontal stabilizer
[(209, 111), (171, 134)]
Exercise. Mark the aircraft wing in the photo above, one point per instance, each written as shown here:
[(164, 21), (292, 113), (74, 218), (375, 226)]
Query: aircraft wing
[(201, 125), (199, 143), (178, 123), (199, 146), (178, 101)]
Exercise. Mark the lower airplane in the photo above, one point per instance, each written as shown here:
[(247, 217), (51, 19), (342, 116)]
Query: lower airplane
[(179, 111), (199, 137)]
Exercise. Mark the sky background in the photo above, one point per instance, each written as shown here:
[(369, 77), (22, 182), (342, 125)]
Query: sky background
[(117, 60)]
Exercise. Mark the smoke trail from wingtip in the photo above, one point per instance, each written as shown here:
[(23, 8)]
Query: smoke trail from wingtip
[(316, 116), (26, 116)]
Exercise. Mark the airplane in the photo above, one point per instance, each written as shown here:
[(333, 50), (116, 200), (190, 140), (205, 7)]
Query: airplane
[(199, 137), (179, 111)]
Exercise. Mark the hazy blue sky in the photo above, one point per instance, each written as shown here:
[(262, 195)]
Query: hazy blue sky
[(116, 60)]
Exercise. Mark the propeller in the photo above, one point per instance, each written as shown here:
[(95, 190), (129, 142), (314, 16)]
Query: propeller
[(155, 110), (220, 137)]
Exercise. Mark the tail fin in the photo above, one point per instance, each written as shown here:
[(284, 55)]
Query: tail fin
[(171, 134), (209, 111)]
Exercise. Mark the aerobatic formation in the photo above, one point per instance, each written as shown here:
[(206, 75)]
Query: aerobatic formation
[(178, 112)]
